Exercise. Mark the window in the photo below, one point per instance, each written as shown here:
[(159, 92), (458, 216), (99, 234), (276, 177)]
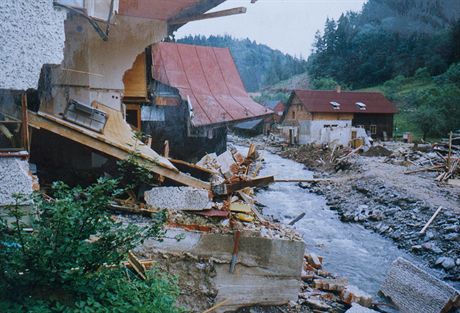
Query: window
[(133, 115), (361, 106), (293, 115), (335, 105), (373, 129)]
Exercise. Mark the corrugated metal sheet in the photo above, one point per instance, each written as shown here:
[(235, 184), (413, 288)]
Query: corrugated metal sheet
[(320, 101), (208, 77)]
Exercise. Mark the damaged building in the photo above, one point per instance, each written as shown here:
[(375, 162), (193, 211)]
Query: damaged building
[(91, 73), (80, 66), (323, 116), (191, 94)]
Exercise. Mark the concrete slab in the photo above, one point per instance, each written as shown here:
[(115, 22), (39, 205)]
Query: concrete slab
[(178, 198), (414, 290), (356, 308), (14, 178), (267, 270)]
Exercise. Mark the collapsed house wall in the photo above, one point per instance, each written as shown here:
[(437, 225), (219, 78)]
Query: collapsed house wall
[(32, 35), (93, 69), (170, 123), (267, 272)]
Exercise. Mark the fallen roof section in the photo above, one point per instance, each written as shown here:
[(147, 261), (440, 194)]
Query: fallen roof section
[(117, 140), (207, 77)]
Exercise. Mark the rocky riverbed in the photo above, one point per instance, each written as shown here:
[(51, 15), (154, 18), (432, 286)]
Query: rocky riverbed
[(380, 196)]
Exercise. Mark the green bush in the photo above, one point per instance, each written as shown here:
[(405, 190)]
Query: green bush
[(62, 265)]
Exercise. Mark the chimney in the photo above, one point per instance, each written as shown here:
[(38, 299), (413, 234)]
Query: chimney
[(339, 89)]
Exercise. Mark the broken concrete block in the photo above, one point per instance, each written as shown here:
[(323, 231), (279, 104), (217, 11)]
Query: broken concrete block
[(178, 198), (15, 178), (318, 304), (414, 290), (209, 161), (330, 284), (352, 294), (356, 308), (227, 164)]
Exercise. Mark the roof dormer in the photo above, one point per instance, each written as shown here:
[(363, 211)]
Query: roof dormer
[(362, 106), (335, 105)]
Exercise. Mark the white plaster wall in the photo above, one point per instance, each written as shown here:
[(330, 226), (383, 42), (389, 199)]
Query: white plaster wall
[(93, 69), (319, 134), (31, 34)]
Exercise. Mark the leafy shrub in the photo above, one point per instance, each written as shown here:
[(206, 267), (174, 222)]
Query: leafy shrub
[(62, 265)]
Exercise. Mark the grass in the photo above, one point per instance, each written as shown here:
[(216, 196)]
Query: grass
[(398, 92)]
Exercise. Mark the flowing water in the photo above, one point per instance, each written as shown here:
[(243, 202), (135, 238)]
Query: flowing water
[(349, 250)]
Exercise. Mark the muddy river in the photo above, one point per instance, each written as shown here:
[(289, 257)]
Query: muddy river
[(349, 250)]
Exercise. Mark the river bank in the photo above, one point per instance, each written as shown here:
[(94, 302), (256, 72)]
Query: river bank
[(377, 194)]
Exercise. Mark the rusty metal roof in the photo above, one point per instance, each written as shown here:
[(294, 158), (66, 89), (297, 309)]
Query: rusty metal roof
[(208, 77), (320, 101)]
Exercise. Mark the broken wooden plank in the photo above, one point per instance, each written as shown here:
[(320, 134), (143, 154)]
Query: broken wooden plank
[(192, 167), (226, 189), (298, 218), (180, 21), (132, 210), (216, 306), (107, 145), (213, 213), (312, 180), (432, 168), (430, 220), (137, 265)]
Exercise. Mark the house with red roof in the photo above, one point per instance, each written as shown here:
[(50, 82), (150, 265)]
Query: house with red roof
[(326, 116)]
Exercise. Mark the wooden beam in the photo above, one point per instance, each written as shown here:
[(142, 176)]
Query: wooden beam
[(234, 11), (313, 180), (227, 189), (430, 220), (96, 142)]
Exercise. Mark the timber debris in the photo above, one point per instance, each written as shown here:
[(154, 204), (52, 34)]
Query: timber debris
[(325, 292)]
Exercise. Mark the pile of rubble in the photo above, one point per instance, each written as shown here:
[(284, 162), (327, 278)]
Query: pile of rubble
[(325, 292), (224, 252), (230, 203), (322, 157), (441, 158)]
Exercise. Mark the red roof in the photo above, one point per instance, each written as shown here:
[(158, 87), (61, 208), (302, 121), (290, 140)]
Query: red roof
[(320, 101), (209, 78)]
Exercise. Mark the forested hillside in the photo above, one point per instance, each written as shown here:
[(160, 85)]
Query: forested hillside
[(259, 65), (410, 49), (389, 38)]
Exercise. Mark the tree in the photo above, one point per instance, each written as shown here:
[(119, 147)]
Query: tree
[(428, 118)]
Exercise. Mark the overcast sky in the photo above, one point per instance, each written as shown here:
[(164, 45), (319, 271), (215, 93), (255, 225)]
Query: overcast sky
[(287, 25)]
